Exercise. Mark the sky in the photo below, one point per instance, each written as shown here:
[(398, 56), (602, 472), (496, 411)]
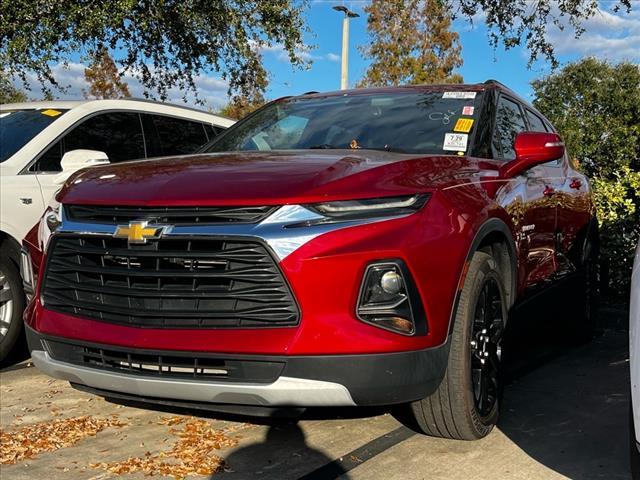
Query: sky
[(608, 35)]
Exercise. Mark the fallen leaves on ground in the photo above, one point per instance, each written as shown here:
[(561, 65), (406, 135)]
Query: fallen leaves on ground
[(192, 454), (30, 440)]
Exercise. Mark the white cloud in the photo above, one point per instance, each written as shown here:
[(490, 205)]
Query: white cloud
[(304, 52), (332, 57), (615, 36), (212, 90)]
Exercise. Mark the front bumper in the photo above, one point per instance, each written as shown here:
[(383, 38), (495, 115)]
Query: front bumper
[(305, 381)]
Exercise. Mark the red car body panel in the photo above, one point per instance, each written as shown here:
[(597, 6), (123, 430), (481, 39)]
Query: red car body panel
[(325, 273)]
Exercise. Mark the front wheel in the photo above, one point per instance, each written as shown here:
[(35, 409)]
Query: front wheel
[(12, 304), (465, 405)]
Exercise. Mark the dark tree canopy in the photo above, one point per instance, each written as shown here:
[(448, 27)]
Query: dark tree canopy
[(164, 43), (523, 22), (103, 78), (411, 42)]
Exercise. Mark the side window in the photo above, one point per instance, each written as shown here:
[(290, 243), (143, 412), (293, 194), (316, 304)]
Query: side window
[(118, 134), (50, 160), (535, 122), (509, 122), (173, 136)]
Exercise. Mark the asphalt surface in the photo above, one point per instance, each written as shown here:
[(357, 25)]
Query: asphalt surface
[(564, 415)]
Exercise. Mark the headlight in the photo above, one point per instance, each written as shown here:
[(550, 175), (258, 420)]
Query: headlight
[(49, 223), (371, 207)]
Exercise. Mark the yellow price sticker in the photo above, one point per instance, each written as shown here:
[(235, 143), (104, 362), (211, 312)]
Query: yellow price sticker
[(463, 125), (51, 113)]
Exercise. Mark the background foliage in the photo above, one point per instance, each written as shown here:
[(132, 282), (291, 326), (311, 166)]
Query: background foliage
[(595, 106), (411, 42), (163, 43), (103, 78)]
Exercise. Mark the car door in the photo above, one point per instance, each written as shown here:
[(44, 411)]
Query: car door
[(118, 134), (574, 216), (534, 188), (567, 200)]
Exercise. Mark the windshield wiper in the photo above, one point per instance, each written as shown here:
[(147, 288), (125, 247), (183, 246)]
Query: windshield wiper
[(386, 148), (322, 146)]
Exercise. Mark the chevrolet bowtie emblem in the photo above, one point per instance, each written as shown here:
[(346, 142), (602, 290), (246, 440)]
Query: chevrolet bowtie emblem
[(138, 232)]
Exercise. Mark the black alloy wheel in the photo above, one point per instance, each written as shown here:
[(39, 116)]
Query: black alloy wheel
[(486, 349)]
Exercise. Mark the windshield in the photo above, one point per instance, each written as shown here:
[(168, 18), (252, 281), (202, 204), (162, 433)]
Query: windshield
[(405, 122), (18, 127)]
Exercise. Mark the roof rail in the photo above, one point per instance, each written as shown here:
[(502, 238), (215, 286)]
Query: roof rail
[(491, 81)]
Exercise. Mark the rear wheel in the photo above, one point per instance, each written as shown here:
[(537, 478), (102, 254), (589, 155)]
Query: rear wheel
[(584, 322), (465, 405), (12, 304)]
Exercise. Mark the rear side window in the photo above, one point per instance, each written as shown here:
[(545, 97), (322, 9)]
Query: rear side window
[(535, 122), (509, 122), (172, 136), (118, 134)]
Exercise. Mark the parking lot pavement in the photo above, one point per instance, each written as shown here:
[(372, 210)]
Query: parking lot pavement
[(565, 414)]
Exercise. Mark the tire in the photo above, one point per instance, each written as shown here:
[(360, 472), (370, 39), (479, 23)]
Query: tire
[(584, 322), (458, 409), (12, 304)]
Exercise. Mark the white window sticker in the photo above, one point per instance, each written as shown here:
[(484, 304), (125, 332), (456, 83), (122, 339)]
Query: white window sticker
[(456, 142), (467, 110), (459, 95)]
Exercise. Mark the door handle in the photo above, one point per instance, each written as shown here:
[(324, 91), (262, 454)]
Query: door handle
[(548, 191), (576, 184)]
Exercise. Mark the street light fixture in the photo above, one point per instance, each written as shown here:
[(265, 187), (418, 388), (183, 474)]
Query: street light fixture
[(348, 14)]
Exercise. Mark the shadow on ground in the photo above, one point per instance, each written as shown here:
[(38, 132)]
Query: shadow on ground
[(566, 405)]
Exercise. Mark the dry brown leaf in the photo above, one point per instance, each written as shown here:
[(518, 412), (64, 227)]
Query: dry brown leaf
[(30, 440), (192, 454)]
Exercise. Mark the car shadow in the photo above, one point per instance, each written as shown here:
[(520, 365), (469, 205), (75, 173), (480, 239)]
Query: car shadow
[(284, 454), (566, 405)]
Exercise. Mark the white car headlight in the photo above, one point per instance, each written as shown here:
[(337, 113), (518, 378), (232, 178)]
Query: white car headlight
[(49, 223)]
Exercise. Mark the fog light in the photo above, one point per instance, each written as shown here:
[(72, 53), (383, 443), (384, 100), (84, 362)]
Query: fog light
[(391, 282), (388, 299)]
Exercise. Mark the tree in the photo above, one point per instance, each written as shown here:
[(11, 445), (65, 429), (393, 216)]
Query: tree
[(103, 78), (164, 43), (9, 93), (596, 107), (241, 105), (410, 43), (515, 22)]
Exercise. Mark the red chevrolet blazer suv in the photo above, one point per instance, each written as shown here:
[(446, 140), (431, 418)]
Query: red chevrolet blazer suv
[(361, 247)]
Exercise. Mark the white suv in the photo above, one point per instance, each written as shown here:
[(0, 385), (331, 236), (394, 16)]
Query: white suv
[(42, 143), (634, 358)]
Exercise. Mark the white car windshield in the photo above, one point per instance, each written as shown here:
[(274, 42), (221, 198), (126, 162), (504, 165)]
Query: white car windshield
[(17, 128)]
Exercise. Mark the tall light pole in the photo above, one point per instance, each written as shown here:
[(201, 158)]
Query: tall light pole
[(348, 14)]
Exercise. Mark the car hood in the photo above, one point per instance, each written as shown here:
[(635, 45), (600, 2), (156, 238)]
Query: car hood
[(251, 178)]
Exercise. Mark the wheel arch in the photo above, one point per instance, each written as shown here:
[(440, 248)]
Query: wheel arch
[(495, 236), (10, 247)]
